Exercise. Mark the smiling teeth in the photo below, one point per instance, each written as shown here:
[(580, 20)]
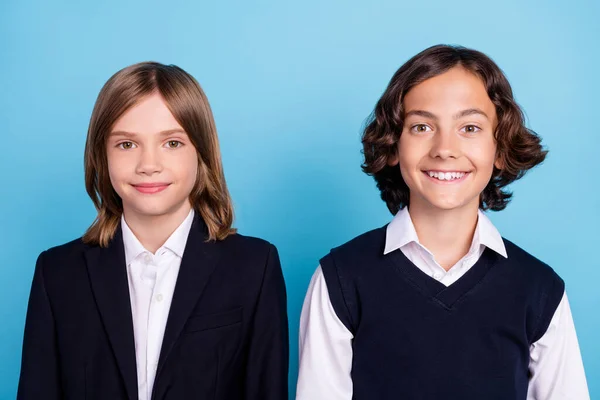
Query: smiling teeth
[(446, 176)]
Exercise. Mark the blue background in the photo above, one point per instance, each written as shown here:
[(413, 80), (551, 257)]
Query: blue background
[(290, 84)]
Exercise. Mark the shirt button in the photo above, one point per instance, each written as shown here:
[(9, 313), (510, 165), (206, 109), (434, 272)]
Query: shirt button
[(437, 276), (148, 258), (159, 297)]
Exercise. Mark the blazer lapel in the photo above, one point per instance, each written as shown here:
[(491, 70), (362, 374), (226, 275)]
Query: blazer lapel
[(198, 263), (108, 276)]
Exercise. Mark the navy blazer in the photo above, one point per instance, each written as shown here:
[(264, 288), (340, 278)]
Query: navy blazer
[(226, 336)]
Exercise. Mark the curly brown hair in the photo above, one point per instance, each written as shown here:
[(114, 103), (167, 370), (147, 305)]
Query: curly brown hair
[(518, 148)]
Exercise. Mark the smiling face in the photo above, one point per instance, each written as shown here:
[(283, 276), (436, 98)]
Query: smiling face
[(152, 163), (447, 150)]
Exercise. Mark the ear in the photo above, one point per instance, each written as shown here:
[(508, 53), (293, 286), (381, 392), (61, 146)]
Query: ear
[(499, 163), (393, 160)]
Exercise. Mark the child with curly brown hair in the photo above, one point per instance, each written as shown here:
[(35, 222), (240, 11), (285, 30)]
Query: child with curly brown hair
[(436, 304)]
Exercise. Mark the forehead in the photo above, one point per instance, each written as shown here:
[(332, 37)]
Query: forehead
[(453, 91), (149, 115)]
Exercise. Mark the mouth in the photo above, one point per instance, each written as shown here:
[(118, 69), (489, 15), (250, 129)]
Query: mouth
[(151, 188), (446, 176)]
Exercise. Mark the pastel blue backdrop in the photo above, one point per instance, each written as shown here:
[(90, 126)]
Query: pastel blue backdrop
[(290, 84)]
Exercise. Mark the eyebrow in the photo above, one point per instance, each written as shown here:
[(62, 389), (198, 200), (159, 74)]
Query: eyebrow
[(133, 134), (470, 111), (421, 113), (461, 114)]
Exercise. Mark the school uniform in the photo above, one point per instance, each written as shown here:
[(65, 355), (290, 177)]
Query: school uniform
[(195, 320), (383, 320)]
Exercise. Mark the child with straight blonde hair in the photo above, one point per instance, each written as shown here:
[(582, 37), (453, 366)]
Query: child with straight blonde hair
[(161, 298)]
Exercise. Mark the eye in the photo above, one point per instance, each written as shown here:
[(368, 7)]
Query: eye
[(471, 129), (420, 128), (173, 144), (126, 145)]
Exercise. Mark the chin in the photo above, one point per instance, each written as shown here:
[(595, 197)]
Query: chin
[(448, 204), (445, 207), (151, 210)]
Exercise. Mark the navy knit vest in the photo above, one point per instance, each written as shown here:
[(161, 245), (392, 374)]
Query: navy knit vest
[(416, 339)]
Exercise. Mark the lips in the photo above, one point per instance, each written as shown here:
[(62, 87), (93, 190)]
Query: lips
[(151, 188)]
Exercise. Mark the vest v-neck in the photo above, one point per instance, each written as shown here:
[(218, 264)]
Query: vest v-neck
[(445, 296)]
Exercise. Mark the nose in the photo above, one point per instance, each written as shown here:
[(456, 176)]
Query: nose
[(149, 161), (445, 145)]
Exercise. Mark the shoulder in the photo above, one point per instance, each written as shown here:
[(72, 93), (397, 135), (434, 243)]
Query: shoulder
[(60, 264), (246, 263), (248, 255), (364, 249), (531, 269), (242, 245), (69, 253), (367, 244), (527, 261)]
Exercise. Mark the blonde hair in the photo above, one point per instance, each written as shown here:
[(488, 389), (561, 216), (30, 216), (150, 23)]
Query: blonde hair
[(188, 104)]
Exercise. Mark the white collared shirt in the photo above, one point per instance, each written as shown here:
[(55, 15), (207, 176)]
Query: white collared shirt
[(326, 344), (152, 279)]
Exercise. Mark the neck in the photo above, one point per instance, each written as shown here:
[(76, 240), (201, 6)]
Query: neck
[(153, 230), (447, 234)]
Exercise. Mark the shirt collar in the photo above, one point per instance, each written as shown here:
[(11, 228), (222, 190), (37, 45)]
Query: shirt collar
[(489, 235), (401, 231), (175, 243)]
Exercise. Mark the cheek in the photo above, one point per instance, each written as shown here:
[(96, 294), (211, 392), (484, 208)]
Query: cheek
[(116, 168), (409, 156), (484, 157), (187, 167)]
